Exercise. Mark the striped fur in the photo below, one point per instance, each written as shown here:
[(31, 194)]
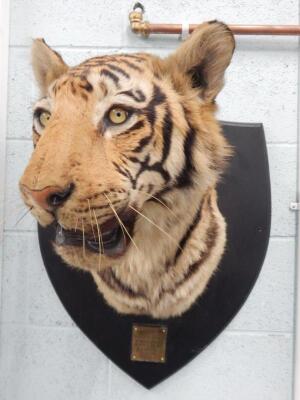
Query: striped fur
[(165, 162)]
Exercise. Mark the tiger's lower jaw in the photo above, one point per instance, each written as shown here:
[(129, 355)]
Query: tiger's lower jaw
[(111, 239), (114, 247)]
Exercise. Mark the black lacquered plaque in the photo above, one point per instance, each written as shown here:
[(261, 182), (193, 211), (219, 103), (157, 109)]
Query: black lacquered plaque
[(245, 201)]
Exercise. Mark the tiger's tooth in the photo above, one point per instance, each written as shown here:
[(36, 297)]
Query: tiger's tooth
[(60, 237), (93, 245)]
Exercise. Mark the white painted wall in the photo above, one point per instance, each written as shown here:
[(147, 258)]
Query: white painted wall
[(42, 354)]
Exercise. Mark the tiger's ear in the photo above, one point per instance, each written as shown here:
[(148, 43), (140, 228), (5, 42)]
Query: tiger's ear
[(47, 64), (204, 57)]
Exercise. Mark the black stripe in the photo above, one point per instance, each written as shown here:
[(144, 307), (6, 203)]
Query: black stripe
[(142, 143), (134, 160), (37, 138), (73, 89), (158, 97), (124, 172), (137, 96), (166, 133), (138, 125), (138, 58), (184, 179), (131, 65), (157, 167), (35, 131), (211, 238), (120, 170), (117, 69), (111, 75), (188, 232), (109, 277), (210, 241), (87, 86), (124, 159)]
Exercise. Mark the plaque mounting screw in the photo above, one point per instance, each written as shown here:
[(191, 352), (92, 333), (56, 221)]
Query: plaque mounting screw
[(294, 206), (162, 359)]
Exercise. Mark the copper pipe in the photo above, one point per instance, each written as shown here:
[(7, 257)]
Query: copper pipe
[(144, 28), (236, 29)]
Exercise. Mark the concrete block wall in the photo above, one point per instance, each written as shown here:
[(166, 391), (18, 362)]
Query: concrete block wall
[(43, 355)]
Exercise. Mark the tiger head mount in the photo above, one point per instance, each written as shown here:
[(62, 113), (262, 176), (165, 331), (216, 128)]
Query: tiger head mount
[(127, 155)]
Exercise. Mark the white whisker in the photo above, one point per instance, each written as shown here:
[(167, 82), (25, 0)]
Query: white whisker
[(83, 239), (23, 216), (154, 224), (99, 239), (91, 219), (120, 222), (161, 202), (75, 229)]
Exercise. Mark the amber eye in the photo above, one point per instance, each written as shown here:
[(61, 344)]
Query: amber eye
[(117, 115), (44, 118)]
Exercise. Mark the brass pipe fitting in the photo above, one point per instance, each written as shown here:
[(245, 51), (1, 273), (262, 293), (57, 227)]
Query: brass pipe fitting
[(137, 23)]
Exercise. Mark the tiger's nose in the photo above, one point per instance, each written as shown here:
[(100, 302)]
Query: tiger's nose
[(50, 197)]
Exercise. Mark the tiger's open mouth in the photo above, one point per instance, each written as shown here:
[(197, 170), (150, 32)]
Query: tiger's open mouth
[(112, 240)]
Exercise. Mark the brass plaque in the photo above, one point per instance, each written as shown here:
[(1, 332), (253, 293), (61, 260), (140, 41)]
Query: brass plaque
[(148, 343)]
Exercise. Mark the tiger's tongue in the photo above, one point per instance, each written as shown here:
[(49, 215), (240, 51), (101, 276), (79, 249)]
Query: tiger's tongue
[(118, 249), (115, 247)]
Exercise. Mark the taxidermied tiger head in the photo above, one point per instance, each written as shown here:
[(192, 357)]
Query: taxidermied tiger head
[(127, 156)]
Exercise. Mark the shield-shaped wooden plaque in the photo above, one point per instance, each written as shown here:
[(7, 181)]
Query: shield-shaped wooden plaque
[(245, 201)]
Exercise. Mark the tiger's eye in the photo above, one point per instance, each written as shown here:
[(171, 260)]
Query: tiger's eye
[(44, 118), (117, 115)]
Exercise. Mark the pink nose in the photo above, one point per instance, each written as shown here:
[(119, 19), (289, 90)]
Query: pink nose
[(50, 197)]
